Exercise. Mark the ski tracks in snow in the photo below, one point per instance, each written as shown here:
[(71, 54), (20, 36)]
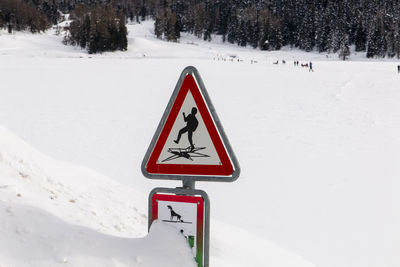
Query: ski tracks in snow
[(340, 96)]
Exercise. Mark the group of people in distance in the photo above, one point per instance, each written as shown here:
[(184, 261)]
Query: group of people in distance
[(307, 65), (310, 65)]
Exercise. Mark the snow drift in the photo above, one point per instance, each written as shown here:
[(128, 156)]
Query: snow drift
[(53, 213)]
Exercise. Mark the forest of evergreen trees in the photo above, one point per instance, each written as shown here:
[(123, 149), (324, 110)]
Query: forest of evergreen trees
[(372, 26), (322, 25), (98, 29), (22, 15)]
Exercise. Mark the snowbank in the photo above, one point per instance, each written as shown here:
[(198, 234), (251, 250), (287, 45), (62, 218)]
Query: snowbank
[(33, 237), (53, 213), (76, 194)]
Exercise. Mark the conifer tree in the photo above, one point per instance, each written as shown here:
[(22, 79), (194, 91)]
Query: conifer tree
[(324, 25), (344, 47)]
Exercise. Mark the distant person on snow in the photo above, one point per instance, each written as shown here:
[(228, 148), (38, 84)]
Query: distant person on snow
[(191, 126), (311, 69), (398, 68)]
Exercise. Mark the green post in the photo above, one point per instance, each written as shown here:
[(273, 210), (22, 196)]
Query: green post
[(191, 241), (198, 257)]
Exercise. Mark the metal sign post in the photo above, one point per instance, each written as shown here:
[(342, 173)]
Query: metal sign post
[(189, 144)]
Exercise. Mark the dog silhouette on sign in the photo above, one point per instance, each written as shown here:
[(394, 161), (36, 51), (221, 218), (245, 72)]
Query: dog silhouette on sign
[(174, 214)]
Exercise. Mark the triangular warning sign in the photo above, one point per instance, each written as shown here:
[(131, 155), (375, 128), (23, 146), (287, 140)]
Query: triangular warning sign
[(190, 141)]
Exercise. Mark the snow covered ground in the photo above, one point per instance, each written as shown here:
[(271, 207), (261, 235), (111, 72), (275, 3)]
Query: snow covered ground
[(319, 151), (53, 213)]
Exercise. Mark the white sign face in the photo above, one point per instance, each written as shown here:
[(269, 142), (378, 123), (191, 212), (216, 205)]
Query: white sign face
[(189, 142), (182, 216)]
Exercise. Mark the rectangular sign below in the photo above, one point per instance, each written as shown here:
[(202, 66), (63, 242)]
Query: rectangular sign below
[(186, 213)]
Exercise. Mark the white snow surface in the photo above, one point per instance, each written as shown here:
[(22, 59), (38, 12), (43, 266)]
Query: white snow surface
[(319, 151), (53, 213)]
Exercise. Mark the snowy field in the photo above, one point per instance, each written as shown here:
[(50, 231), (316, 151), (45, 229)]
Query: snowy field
[(319, 151)]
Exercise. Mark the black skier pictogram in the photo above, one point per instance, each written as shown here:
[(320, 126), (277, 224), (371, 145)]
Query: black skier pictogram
[(191, 151), (173, 215), (191, 126)]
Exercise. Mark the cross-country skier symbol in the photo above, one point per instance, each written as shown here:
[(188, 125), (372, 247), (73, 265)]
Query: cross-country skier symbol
[(191, 151), (173, 215)]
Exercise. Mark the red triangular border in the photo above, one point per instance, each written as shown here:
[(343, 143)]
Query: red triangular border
[(224, 169)]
